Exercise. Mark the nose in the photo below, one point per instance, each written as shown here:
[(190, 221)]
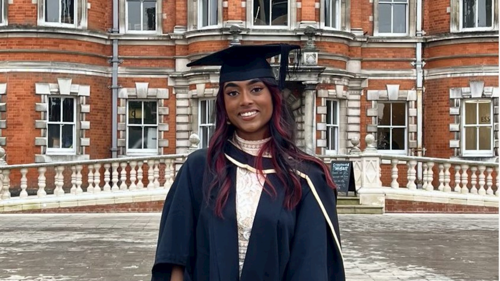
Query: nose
[(246, 98)]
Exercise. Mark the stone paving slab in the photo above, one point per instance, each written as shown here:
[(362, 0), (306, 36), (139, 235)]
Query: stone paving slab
[(91, 247)]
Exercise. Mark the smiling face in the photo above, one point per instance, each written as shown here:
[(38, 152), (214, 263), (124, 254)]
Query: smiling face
[(249, 108)]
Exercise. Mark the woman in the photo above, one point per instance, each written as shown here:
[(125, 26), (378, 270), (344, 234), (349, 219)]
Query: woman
[(252, 206)]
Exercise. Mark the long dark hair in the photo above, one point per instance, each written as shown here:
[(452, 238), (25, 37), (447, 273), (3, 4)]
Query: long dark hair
[(286, 155)]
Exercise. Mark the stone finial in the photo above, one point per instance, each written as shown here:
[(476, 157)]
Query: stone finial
[(310, 32), (194, 139), (235, 31), (370, 144), (355, 150)]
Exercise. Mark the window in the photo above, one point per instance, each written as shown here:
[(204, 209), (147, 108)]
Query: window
[(2, 11), (142, 127), (391, 128), (476, 14), (270, 12), (332, 125), (209, 10), (141, 15), (392, 17), (477, 128), (60, 12), (61, 125), (332, 13), (206, 121)]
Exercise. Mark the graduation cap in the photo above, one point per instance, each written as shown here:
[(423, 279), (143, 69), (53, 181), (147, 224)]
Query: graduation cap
[(245, 62)]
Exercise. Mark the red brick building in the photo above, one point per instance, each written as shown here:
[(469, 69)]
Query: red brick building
[(87, 79)]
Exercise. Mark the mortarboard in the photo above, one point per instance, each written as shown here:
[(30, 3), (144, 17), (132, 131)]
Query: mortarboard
[(245, 62)]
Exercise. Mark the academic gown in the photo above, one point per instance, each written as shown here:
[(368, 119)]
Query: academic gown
[(284, 245)]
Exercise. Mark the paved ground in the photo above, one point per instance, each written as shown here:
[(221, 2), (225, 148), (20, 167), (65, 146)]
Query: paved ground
[(121, 247)]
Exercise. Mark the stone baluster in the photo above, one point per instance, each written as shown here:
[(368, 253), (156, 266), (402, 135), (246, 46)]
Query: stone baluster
[(473, 180), (97, 178), (156, 174), (90, 188), (6, 184), (441, 177), (394, 173), (133, 165), (79, 179), (489, 181), (465, 180), (482, 178), (107, 173), (168, 173), (73, 181), (59, 181), (114, 176), (24, 183), (151, 175), (123, 176), (447, 177), (430, 176), (140, 183), (457, 178), (411, 175), (41, 182), (424, 175), (497, 193)]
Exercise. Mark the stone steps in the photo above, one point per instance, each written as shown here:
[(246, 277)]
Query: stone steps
[(351, 205)]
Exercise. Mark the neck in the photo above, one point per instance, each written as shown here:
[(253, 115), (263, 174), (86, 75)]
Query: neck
[(251, 147)]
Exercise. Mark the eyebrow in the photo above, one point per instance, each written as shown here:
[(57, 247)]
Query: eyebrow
[(253, 81)]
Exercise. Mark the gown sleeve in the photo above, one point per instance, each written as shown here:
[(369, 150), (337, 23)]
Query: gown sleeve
[(177, 234), (314, 253)]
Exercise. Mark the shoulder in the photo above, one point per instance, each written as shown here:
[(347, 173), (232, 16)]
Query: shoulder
[(311, 169), (195, 161), (197, 156)]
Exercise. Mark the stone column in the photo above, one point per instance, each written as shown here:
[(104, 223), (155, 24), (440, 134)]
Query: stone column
[(310, 95)]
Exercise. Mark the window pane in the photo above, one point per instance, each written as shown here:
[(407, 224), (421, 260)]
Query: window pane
[(261, 12), (468, 13), (54, 136), (205, 138), (1, 12), (204, 12), (484, 113), (399, 18), (331, 138), (471, 138), (485, 138), (150, 113), (211, 111), (384, 18), (280, 12), (67, 11), (328, 12), (134, 112), (213, 12), (384, 114), (52, 10), (150, 137), (398, 114), (398, 139), (149, 15), (203, 112), (135, 137), (67, 136), (68, 110), (134, 15), (484, 13), (54, 110), (383, 138), (470, 113)]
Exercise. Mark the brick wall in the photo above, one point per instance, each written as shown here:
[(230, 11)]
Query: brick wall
[(402, 206)]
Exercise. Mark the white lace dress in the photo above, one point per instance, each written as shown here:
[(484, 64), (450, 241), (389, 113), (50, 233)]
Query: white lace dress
[(248, 190)]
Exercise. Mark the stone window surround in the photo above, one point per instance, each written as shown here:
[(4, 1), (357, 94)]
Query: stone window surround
[(194, 17), (63, 87), (81, 18), (142, 92), (393, 94), (411, 19), (476, 90), (122, 18), (3, 110), (321, 110), (456, 17), (4, 6), (344, 12), (194, 98)]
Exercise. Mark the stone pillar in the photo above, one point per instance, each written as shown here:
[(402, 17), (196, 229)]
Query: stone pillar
[(310, 95), (370, 164), (182, 119)]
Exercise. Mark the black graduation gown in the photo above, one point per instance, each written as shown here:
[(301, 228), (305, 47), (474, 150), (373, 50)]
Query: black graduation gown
[(285, 245)]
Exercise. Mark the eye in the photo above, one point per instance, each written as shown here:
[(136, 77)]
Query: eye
[(257, 89), (232, 93)]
